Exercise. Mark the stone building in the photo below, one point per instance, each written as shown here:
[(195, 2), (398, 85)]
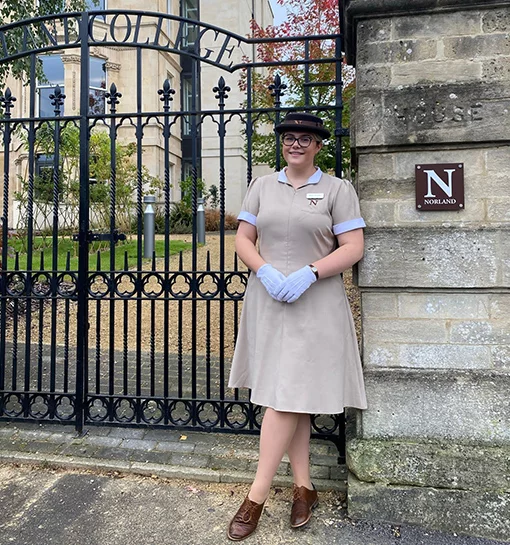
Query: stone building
[(118, 65)]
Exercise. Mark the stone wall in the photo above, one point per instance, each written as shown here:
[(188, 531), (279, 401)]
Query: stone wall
[(433, 86)]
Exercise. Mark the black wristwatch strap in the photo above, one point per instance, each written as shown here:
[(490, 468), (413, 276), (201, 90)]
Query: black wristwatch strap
[(315, 271)]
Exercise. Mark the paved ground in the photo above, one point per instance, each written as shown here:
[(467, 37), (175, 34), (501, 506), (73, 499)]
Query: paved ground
[(44, 506), (141, 486)]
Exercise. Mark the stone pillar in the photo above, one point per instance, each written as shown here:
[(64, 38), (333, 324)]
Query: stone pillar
[(433, 86)]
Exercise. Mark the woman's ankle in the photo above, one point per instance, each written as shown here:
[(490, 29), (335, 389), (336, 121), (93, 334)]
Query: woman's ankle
[(307, 483), (258, 495)]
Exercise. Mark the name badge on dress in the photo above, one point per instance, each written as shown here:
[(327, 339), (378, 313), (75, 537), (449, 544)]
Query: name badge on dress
[(314, 197)]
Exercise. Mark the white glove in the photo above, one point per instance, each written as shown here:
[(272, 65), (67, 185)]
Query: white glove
[(296, 284), (271, 278)]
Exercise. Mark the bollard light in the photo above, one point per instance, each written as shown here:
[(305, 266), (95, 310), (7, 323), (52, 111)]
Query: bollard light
[(149, 227), (201, 220)]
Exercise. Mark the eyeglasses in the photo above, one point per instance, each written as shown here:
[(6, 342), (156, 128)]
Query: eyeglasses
[(303, 141)]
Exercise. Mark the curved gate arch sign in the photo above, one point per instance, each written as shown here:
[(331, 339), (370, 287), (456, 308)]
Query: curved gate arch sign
[(127, 28)]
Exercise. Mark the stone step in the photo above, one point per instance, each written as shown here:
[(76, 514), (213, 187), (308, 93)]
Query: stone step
[(215, 457)]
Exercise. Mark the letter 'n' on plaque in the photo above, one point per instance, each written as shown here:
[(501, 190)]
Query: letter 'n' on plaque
[(440, 187)]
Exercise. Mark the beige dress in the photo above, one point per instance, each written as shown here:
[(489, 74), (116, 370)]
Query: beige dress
[(299, 357)]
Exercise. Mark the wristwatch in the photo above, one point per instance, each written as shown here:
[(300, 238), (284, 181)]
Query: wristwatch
[(315, 271)]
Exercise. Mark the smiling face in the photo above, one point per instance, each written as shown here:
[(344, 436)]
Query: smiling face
[(298, 156)]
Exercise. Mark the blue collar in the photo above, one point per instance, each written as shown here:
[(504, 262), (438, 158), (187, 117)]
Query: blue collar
[(314, 178)]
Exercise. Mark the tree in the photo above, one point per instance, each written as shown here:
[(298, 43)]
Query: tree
[(19, 10), (126, 180), (305, 18)]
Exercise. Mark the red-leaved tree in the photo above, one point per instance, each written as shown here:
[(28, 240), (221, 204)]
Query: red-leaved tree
[(304, 18)]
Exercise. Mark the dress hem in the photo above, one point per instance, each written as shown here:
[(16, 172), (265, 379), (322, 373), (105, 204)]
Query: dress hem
[(304, 411)]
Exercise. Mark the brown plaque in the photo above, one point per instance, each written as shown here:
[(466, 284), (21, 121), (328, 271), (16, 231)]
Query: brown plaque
[(440, 187)]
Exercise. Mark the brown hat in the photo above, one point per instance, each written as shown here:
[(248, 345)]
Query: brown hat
[(303, 122)]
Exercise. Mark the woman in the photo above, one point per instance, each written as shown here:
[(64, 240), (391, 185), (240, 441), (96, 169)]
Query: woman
[(297, 349)]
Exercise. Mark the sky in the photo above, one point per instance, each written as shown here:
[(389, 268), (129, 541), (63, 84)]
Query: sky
[(279, 12)]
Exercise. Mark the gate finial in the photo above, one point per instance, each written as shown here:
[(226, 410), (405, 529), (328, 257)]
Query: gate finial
[(277, 89), (113, 98), (166, 95), (57, 100), (221, 91), (7, 101)]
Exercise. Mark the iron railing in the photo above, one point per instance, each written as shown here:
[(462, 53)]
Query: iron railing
[(93, 341)]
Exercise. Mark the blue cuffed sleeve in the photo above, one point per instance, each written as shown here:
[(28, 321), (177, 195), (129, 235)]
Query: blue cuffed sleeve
[(350, 225), (246, 216)]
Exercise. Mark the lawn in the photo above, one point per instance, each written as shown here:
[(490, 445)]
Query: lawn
[(68, 254)]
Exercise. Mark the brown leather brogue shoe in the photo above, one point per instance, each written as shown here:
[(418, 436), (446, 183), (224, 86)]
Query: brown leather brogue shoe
[(245, 520), (304, 501)]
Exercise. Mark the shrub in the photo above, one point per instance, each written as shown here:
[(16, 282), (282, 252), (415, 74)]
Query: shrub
[(186, 186), (181, 218), (181, 229), (212, 221), (213, 197)]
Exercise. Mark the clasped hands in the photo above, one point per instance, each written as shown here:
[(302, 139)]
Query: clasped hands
[(286, 288)]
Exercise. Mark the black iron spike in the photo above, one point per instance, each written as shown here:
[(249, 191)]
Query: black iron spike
[(57, 100), (113, 98), (166, 94), (277, 89), (221, 91), (7, 102)]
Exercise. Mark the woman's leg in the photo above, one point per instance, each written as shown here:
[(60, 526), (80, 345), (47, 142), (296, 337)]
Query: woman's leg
[(278, 429), (299, 452)]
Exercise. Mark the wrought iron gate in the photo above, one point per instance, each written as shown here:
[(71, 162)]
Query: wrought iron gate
[(104, 336)]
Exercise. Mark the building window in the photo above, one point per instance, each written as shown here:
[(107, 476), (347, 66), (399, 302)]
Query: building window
[(97, 86), (189, 10), (187, 105), (43, 182), (95, 5), (53, 69), (187, 170)]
